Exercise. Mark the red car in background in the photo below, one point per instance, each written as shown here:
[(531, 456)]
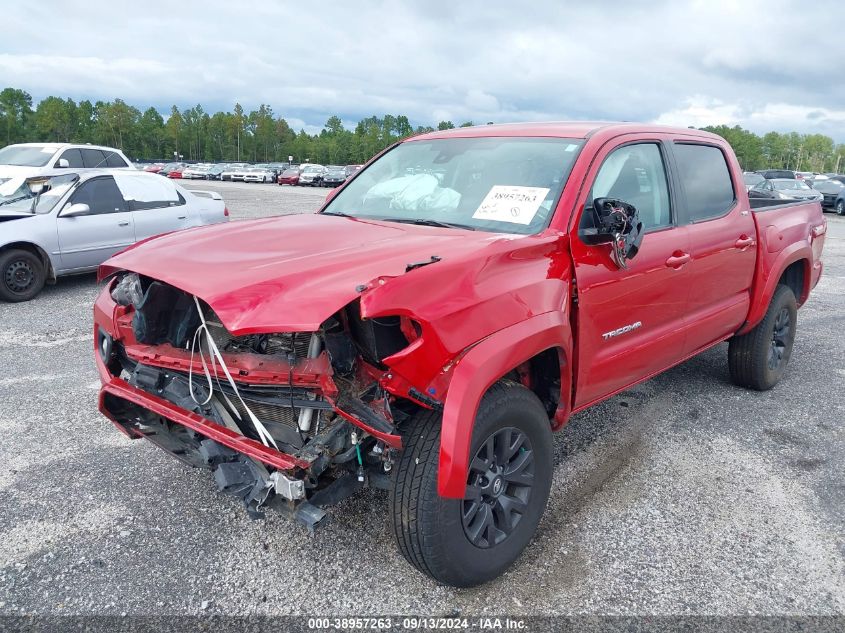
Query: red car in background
[(289, 177), (154, 168), (176, 172)]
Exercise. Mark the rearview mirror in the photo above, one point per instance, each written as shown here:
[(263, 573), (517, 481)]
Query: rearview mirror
[(75, 210), (63, 162), (616, 223)]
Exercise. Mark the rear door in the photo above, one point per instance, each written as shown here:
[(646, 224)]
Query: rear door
[(88, 240), (156, 205), (722, 238), (630, 322)]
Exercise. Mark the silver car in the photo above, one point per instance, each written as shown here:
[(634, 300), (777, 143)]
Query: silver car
[(68, 223)]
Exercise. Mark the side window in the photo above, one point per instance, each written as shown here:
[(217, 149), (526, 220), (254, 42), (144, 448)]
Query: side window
[(147, 191), (73, 157), (706, 179), (113, 160), (93, 158), (101, 194), (635, 174)]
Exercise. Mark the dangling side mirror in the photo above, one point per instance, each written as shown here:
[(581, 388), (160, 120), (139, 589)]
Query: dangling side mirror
[(616, 223)]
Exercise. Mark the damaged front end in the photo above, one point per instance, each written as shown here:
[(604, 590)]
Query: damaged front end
[(296, 420)]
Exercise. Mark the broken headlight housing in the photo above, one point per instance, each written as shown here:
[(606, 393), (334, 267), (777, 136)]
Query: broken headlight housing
[(128, 290)]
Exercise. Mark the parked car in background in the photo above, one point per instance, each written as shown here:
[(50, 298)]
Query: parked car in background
[(168, 167), (769, 174), (215, 171), (805, 175), (33, 159), (154, 168), (311, 175), (831, 188), (196, 172), (70, 223), (751, 178), (351, 169), (259, 174), (334, 175), (784, 189), (231, 169), (289, 177), (177, 171)]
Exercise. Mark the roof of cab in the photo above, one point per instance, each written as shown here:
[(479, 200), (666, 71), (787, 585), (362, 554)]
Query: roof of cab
[(561, 129)]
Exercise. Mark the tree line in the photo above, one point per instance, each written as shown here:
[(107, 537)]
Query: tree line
[(262, 136), (194, 134)]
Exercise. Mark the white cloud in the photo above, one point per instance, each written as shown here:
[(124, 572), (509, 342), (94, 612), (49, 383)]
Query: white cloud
[(697, 61), (785, 117)]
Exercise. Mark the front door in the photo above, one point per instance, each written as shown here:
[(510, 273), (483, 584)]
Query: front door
[(630, 322), (88, 240)]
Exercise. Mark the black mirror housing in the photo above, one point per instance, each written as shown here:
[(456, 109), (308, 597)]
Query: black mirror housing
[(616, 223)]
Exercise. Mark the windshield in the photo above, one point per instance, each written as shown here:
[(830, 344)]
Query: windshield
[(783, 185), (16, 195), (500, 184), (26, 155)]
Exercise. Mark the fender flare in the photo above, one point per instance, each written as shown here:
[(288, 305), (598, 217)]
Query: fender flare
[(480, 367), (760, 299)]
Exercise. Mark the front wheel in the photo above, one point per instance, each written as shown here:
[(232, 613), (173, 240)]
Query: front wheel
[(465, 542), (21, 275), (840, 207), (758, 359)]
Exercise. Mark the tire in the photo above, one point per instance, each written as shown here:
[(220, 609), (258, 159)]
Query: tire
[(435, 534), (840, 207), (758, 359), (21, 275)]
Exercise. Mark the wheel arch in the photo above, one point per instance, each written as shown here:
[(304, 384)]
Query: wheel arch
[(36, 250), (793, 268), (532, 342)]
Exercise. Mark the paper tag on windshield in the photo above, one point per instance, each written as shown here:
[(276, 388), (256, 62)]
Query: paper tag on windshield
[(509, 203)]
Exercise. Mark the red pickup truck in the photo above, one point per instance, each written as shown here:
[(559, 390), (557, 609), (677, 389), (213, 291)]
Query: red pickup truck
[(447, 309)]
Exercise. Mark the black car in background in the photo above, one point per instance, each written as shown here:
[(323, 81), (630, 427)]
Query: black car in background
[(831, 188), (334, 175), (770, 174)]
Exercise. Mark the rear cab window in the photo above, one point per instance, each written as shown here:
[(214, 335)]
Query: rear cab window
[(705, 180)]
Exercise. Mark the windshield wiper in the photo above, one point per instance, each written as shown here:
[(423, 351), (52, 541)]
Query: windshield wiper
[(339, 214), (14, 200), (429, 222)]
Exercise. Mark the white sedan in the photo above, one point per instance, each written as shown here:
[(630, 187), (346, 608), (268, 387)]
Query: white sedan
[(72, 222)]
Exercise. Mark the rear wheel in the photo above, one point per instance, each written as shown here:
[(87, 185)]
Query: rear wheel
[(758, 359), (465, 542), (840, 207), (21, 275)]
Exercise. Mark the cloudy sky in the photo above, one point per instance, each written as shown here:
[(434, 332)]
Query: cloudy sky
[(767, 65)]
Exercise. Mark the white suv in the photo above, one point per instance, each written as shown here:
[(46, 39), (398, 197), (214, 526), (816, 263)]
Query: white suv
[(35, 159)]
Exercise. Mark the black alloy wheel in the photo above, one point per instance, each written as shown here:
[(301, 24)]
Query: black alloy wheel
[(498, 487), (781, 338)]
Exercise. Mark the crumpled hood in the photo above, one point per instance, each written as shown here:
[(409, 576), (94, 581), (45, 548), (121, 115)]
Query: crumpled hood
[(289, 273)]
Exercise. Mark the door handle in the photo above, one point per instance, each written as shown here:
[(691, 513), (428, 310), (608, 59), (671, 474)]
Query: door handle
[(182, 217), (744, 242), (123, 223), (678, 259)]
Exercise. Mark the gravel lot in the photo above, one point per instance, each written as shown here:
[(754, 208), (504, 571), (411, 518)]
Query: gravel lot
[(684, 495)]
